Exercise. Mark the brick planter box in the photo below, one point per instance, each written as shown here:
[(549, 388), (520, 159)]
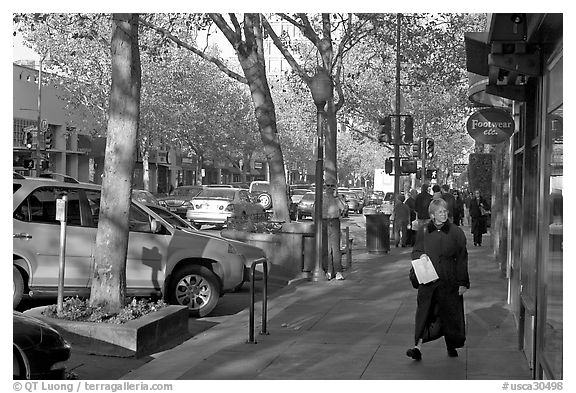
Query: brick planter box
[(139, 337)]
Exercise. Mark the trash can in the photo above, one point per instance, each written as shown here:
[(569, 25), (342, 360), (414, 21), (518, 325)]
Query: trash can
[(377, 232)]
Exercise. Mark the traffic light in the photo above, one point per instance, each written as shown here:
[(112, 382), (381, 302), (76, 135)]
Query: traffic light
[(388, 166), (429, 148), (29, 139), (44, 164), (385, 130), (416, 150), (48, 140), (29, 164), (408, 129)]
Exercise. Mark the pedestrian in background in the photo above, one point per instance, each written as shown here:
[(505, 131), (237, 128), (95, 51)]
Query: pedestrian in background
[(479, 210), (436, 192), (440, 308), (449, 198), (467, 198), (331, 209), (421, 203), (458, 208), (401, 221), (411, 203)]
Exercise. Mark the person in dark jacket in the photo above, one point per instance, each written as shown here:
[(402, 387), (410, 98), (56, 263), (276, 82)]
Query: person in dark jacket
[(421, 204), (440, 310), (402, 219), (479, 209), (449, 198), (411, 203), (458, 208)]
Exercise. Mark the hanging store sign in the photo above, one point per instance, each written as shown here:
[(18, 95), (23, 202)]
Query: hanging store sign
[(490, 126)]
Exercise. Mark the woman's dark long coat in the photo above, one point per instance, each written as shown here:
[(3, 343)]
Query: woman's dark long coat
[(440, 310), (479, 223)]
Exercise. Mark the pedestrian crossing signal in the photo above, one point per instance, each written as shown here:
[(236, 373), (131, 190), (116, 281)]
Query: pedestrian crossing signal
[(29, 164)]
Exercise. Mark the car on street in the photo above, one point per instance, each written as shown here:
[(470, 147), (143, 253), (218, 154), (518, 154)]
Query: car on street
[(38, 350), (306, 206), (216, 205), (185, 267), (179, 200), (298, 193), (355, 203)]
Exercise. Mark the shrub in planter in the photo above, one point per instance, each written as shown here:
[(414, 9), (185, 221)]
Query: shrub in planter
[(77, 309)]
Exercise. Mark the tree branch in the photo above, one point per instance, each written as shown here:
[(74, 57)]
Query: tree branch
[(195, 50), (287, 55)]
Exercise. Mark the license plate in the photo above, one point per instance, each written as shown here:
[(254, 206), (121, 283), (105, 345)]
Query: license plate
[(173, 209)]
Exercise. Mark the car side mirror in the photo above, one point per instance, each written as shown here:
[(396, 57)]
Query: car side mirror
[(155, 226)]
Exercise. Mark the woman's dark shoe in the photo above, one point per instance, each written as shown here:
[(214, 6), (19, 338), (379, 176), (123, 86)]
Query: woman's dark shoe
[(452, 353), (414, 353)]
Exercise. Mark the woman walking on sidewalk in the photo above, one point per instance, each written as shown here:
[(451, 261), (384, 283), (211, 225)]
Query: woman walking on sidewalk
[(440, 310), (479, 210)]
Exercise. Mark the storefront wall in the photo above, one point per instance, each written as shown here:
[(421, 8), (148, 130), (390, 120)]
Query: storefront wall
[(536, 247), (549, 354)]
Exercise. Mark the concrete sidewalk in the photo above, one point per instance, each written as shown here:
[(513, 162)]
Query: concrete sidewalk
[(359, 328)]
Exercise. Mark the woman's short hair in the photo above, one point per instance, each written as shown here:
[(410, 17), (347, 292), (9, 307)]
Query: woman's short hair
[(436, 204)]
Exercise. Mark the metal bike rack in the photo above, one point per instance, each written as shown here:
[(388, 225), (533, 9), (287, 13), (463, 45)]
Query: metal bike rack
[(264, 298)]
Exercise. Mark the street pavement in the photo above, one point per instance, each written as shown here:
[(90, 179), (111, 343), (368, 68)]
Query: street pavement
[(356, 329)]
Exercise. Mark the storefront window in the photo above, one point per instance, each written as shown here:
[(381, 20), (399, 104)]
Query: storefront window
[(553, 329)]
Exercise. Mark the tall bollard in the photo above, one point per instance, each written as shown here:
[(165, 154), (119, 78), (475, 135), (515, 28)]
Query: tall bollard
[(252, 299)]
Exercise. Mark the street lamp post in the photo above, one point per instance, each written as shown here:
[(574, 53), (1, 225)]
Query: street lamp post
[(321, 88), (37, 155)]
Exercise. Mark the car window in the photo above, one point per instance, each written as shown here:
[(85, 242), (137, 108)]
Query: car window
[(40, 206), (308, 197), (187, 191), (260, 187), (223, 193), (16, 187), (139, 220), (94, 205)]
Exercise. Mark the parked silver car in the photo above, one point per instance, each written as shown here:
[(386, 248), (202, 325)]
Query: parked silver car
[(215, 205), (186, 267)]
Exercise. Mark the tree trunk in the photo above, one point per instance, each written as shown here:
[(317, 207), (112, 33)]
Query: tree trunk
[(330, 160), (109, 277), (266, 117)]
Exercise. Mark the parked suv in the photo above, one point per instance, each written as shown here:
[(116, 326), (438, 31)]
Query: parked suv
[(186, 267)]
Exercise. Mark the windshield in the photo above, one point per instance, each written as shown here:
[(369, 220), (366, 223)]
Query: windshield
[(220, 193), (308, 197), (186, 191), (258, 187), (172, 219)]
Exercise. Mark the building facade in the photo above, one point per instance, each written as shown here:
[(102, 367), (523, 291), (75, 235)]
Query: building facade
[(66, 146), (518, 63)]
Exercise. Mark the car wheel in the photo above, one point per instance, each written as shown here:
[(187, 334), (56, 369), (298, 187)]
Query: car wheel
[(265, 200), (196, 287), (17, 286), (19, 369)]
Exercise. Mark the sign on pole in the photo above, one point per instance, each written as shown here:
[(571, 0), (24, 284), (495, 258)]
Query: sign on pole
[(43, 125)]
